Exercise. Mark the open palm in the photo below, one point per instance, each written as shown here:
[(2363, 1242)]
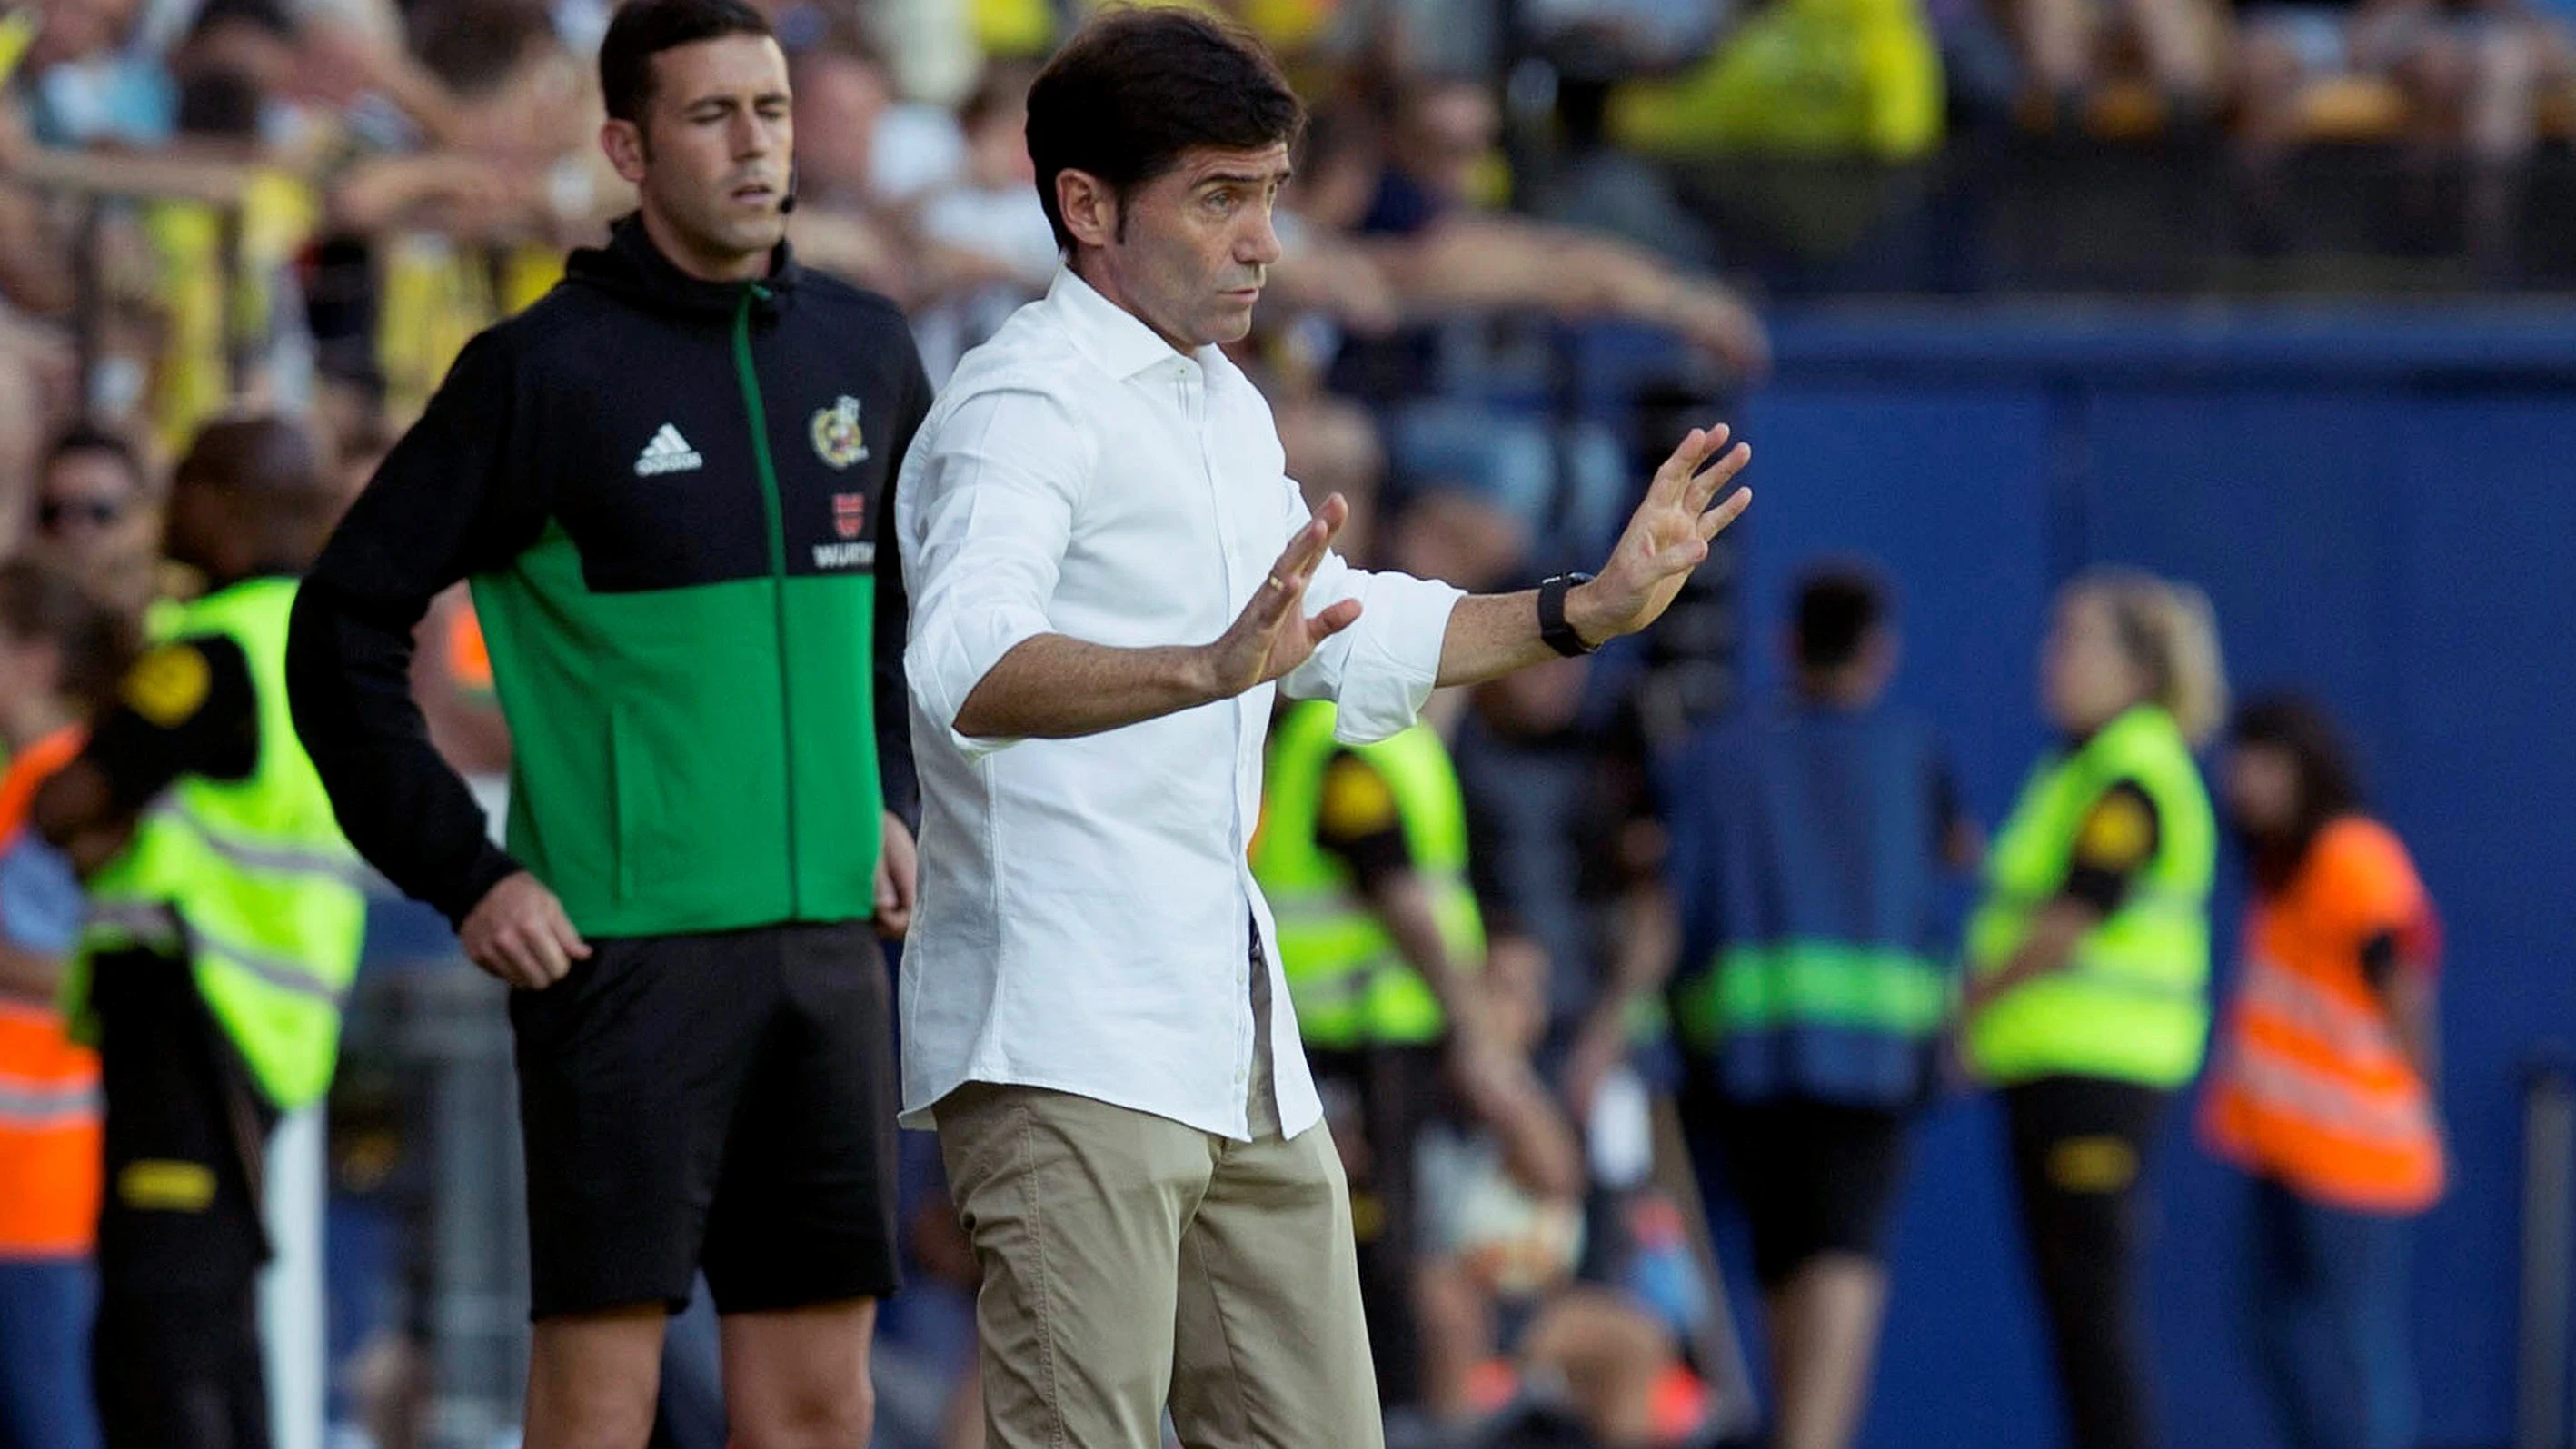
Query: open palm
[(1274, 634), (1669, 534)]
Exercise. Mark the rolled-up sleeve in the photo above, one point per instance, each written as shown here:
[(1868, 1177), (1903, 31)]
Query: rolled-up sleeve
[(984, 513), (1379, 671)]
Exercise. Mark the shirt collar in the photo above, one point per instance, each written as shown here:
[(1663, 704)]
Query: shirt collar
[(1114, 337)]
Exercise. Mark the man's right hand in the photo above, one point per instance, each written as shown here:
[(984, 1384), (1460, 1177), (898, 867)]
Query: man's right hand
[(1273, 635), (519, 932)]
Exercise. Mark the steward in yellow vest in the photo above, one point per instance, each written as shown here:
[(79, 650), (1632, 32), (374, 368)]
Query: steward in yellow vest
[(2088, 967), (225, 923), (1362, 854)]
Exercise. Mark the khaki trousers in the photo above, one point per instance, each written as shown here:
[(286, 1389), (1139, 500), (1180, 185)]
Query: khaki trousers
[(1130, 1261)]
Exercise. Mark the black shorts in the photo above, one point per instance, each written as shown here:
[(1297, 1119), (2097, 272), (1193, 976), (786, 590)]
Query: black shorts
[(722, 1100), (1813, 1178)]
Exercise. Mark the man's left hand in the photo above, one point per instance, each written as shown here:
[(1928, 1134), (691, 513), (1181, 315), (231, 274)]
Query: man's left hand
[(896, 862), (1666, 538)]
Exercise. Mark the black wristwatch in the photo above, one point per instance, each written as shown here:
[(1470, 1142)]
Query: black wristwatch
[(1558, 634)]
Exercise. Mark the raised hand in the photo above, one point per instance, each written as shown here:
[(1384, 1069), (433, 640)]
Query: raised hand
[(1666, 538), (1273, 635)]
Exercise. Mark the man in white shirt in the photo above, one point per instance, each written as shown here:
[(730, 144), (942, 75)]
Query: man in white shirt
[(1111, 576)]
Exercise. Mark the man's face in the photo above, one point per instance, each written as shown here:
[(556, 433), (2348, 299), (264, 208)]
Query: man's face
[(91, 512), (1445, 133), (839, 99), (710, 159), (1189, 250)]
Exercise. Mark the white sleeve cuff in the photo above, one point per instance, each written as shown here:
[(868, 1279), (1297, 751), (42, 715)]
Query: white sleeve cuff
[(947, 661), (1390, 659)]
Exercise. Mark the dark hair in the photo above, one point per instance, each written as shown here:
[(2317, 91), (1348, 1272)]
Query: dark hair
[(1837, 607), (1134, 89), (89, 437), (643, 29), (2328, 785), (272, 471), (96, 643), (219, 103), (475, 45)]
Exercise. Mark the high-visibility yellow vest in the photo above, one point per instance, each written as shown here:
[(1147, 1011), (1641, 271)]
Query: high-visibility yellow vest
[(2133, 1005), (1350, 983), (250, 880)]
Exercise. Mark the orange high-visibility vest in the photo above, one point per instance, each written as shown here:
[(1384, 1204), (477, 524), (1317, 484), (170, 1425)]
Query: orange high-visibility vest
[(469, 658), (50, 1104), (2311, 1088)]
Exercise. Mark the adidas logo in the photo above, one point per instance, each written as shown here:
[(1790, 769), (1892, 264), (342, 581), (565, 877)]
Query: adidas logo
[(667, 453)]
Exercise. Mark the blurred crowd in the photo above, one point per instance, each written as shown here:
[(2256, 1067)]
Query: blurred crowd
[(1492, 304), (315, 201)]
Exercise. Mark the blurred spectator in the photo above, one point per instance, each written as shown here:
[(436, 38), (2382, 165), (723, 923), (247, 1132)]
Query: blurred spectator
[(497, 143), (60, 654), (986, 245), (841, 94), (1502, 1206), (87, 82), (2468, 71), (932, 47), (2324, 1083), (1814, 77), (841, 224), (1445, 246), (210, 975), (1809, 844), (35, 389), (1587, 181), (1408, 200), (2089, 967), (98, 517), (2072, 49), (2465, 77), (992, 213)]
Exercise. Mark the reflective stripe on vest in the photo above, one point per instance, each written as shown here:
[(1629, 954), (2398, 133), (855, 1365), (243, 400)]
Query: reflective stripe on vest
[(249, 880), (1819, 983), (50, 1127), (120, 925), (41, 1106), (337, 863), (2312, 1089), (2132, 1005), (1349, 982)]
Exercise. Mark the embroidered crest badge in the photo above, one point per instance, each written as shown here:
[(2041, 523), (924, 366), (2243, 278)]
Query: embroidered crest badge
[(837, 439)]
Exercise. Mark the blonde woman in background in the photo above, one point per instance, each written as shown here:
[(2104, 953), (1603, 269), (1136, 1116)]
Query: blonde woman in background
[(2088, 965)]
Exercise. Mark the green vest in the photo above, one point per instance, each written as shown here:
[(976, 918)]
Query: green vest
[(250, 880), (2133, 1005), (1350, 983)]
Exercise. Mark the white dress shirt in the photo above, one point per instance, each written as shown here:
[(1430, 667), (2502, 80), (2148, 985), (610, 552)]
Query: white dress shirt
[(1083, 908)]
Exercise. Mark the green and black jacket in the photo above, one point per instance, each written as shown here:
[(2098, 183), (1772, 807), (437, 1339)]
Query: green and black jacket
[(671, 496)]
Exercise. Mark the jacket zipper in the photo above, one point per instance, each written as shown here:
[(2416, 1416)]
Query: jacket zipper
[(774, 507)]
